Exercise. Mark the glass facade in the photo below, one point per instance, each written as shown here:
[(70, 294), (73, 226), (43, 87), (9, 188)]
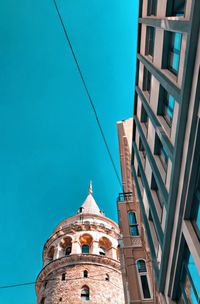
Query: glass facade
[(196, 214), (190, 283), (168, 108), (154, 187), (174, 52), (152, 7), (147, 81), (176, 8), (150, 36), (161, 151)]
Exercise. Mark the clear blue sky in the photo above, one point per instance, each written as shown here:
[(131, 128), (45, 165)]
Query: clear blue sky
[(50, 144)]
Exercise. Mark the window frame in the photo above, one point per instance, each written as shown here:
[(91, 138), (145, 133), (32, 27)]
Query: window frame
[(161, 152), (174, 51), (150, 41), (146, 86), (152, 8), (84, 246), (85, 274), (172, 11), (85, 293), (143, 273), (133, 225), (68, 252), (164, 106)]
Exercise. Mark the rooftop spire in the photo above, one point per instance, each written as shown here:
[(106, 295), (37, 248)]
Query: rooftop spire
[(90, 188), (89, 205)]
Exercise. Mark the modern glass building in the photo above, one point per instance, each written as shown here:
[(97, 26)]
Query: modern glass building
[(166, 143)]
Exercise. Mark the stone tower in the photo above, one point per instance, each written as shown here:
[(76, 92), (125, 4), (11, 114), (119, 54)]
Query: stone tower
[(81, 260)]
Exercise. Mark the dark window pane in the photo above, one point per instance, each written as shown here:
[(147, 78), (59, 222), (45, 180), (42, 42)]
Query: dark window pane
[(152, 6), (195, 214), (132, 218), (145, 287), (68, 251), (176, 8), (85, 274), (162, 152), (174, 52), (134, 230), (85, 249), (168, 108), (141, 266), (147, 81), (150, 36)]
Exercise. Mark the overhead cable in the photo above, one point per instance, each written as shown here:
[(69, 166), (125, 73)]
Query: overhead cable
[(87, 91)]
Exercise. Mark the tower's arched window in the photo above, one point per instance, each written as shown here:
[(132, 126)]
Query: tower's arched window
[(85, 249), (50, 254), (133, 225), (105, 246), (66, 245), (85, 293), (143, 279), (85, 274), (107, 278), (86, 242), (68, 250), (102, 251), (63, 277)]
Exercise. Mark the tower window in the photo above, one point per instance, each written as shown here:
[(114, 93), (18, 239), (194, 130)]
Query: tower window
[(102, 251), (85, 274), (143, 279), (63, 277), (68, 250), (107, 278), (85, 293), (85, 249), (133, 225), (45, 284), (50, 254)]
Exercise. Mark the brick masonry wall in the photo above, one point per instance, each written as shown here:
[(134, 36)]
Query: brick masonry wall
[(69, 290)]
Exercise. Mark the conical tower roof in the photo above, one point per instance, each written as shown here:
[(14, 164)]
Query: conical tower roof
[(90, 205)]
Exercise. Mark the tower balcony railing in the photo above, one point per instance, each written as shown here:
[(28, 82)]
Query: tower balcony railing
[(125, 197)]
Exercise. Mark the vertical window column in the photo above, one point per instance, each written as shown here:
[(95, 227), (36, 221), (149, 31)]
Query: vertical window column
[(174, 52), (133, 225), (143, 279), (150, 37)]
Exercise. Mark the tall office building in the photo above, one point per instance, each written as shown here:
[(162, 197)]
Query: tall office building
[(166, 143), (135, 257)]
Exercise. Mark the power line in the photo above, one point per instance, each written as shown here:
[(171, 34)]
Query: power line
[(87, 91), (58, 279)]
